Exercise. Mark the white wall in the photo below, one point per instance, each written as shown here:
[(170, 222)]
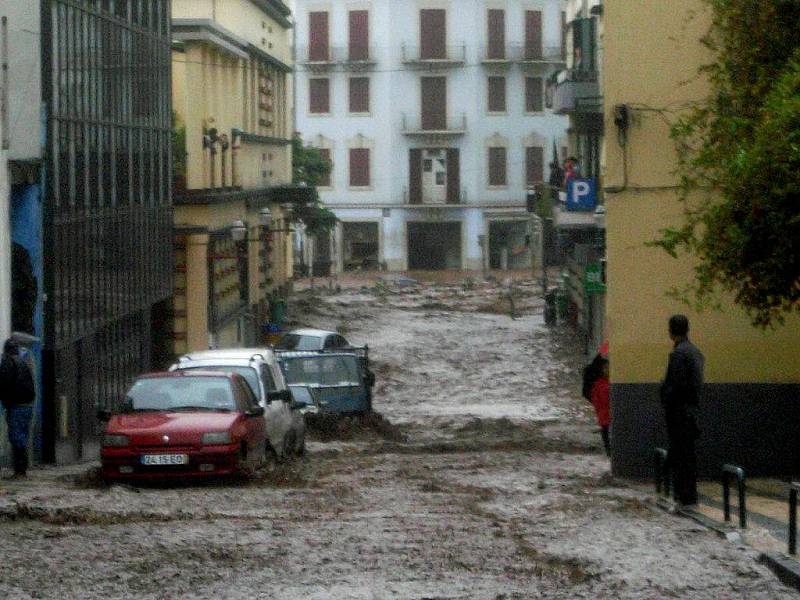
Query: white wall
[(24, 78)]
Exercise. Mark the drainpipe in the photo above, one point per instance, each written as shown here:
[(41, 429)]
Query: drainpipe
[(224, 145), (235, 142)]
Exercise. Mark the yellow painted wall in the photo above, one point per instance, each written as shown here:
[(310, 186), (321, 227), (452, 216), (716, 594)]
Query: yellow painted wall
[(250, 23), (651, 59)]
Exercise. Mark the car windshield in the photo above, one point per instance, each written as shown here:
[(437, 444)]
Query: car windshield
[(322, 370), (301, 393), (180, 393), (293, 341), (249, 373)]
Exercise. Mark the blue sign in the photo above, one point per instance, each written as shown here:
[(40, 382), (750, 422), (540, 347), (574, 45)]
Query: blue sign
[(581, 194)]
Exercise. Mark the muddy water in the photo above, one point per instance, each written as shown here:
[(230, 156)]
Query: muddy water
[(483, 479)]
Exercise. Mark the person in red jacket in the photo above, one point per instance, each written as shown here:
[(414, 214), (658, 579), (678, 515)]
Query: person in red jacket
[(602, 404)]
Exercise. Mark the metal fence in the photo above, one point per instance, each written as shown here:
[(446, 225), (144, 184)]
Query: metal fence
[(107, 200)]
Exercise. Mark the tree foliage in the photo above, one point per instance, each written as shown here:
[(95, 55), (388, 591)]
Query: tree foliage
[(310, 167), (739, 162)]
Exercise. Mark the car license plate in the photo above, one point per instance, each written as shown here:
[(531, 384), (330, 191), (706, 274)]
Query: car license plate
[(165, 459)]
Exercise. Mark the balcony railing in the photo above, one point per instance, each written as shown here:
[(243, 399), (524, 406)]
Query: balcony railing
[(326, 57), (449, 56), (445, 127), (574, 90), (426, 201), (521, 53)]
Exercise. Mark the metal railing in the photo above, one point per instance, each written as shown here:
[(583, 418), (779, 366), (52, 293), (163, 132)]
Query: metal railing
[(662, 471), (414, 124), (462, 199), (729, 471), (456, 54), (794, 488), (336, 54)]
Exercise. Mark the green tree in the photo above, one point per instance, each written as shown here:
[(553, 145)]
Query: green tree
[(310, 167), (739, 163)]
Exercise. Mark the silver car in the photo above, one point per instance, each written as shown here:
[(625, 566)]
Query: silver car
[(286, 426)]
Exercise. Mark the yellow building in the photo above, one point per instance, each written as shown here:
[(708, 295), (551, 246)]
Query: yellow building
[(751, 411), (232, 98)]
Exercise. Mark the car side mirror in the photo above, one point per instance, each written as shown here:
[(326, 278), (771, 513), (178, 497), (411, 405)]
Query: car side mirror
[(104, 416), (257, 411), (279, 396)]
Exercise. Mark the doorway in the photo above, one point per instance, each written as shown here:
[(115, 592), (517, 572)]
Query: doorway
[(434, 246)]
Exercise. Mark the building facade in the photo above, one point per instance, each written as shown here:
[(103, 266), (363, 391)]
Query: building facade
[(101, 185), (750, 415), (433, 116), (232, 98)]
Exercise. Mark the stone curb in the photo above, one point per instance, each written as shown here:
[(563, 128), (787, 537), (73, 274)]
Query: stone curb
[(785, 568)]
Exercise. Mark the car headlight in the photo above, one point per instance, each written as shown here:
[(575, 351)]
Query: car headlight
[(216, 438), (115, 440)]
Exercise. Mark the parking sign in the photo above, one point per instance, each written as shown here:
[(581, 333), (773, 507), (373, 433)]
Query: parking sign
[(581, 194)]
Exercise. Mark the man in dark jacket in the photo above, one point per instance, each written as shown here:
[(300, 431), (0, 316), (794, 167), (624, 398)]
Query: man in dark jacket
[(680, 395), (17, 394)]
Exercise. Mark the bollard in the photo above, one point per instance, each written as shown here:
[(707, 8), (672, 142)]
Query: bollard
[(662, 471), (794, 487), (729, 471)]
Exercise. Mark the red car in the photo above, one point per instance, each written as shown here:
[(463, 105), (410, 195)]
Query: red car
[(185, 424)]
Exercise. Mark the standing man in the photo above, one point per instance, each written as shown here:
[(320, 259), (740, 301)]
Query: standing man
[(680, 395), (17, 393)]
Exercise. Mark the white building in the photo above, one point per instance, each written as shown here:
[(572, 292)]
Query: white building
[(433, 115)]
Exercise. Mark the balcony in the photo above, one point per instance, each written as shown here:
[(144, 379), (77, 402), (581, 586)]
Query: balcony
[(462, 199), (446, 57), (320, 58), (571, 91), (532, 55), (431, 129), (503, 55)]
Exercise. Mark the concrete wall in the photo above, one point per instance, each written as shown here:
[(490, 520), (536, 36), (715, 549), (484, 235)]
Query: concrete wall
[(24, 79), (743, 363)]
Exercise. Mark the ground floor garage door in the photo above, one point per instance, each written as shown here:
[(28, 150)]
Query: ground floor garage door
[(434, 246), (507, 245), (360, 243)]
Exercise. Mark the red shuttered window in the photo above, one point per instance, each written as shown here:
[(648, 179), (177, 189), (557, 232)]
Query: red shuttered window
[(325, 180), (533, 34), (318, 36), (359, 167), (319, 95), (433, 33), (358, 48), (497, 166), (359, 94), (433, 103), (497, 94), (534, 165), (534, 96), (496, 34)]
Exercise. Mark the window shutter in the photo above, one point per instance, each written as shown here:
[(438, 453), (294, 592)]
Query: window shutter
[(325, 180), (359, 35), (415, 176), (497, 94), (318, 36), (497, 34), (497, 166), (433, 33), (319, 95), (453, 176), (534, 165), (359, 94), (534, 101), (359, 167), (533, 34)]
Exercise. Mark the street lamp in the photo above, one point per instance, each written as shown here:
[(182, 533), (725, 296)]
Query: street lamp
[(238, 231)]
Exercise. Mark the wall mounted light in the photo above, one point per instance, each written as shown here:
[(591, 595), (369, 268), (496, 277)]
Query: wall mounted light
[(238, 231), (265, 217)]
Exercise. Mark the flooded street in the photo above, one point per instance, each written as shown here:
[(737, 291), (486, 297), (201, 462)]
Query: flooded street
[(483, 477)]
